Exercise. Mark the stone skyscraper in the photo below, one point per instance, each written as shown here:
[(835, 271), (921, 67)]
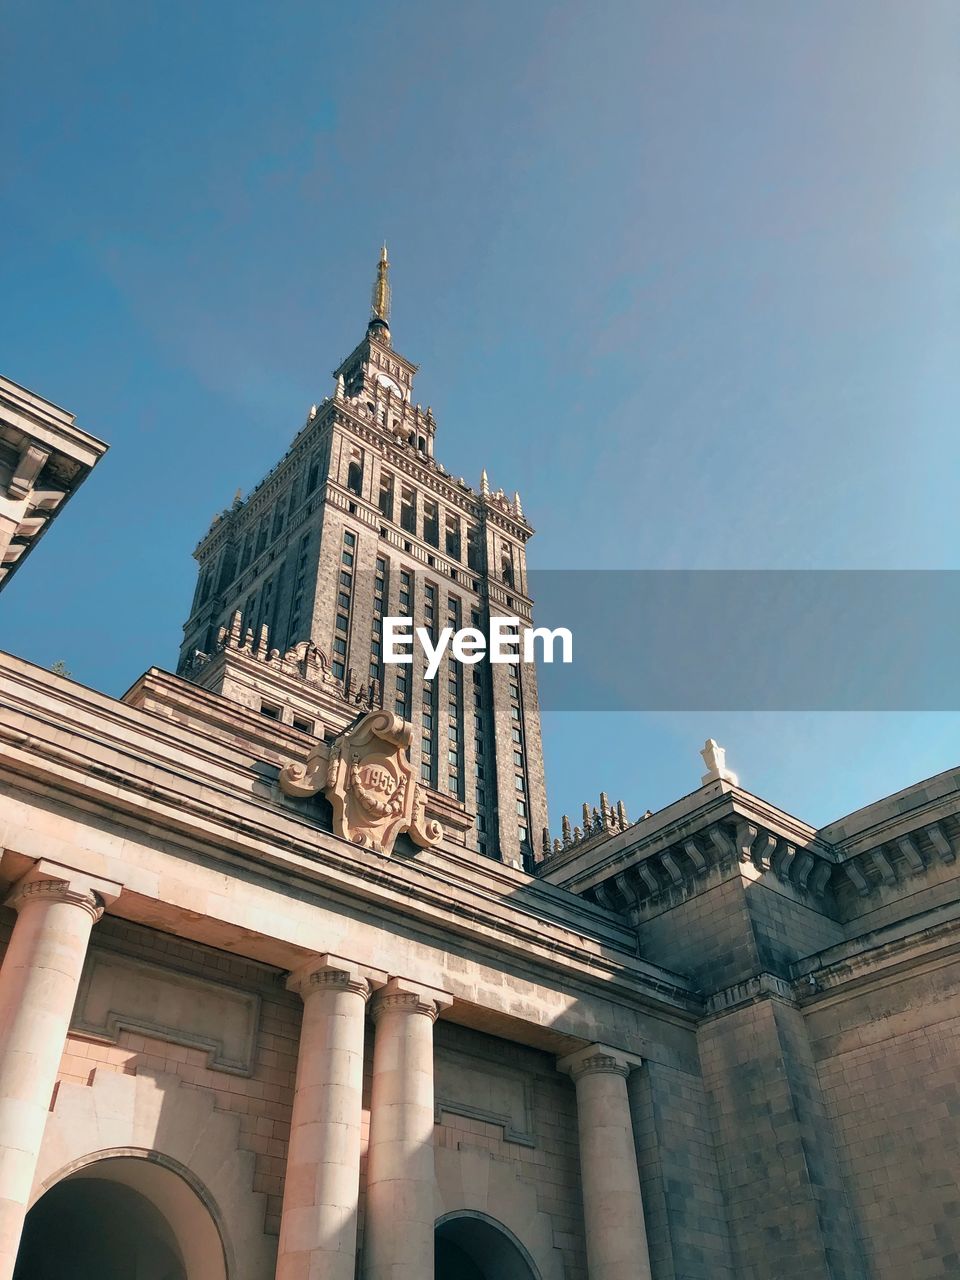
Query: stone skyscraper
[(359, 520)]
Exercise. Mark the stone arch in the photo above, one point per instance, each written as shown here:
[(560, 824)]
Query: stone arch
[(153, 1118), (467, 1239), (473, 1183), (120, 1212)]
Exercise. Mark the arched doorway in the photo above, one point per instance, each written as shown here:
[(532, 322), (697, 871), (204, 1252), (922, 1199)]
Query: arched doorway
[(121, 1218), (471, 1246)]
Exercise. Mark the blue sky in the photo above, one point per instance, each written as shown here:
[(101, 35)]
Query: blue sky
[(686, 274)]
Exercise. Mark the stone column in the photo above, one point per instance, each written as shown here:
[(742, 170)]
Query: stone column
[(318, 1225), (56, 909), (612, 1207), (399, 1221)]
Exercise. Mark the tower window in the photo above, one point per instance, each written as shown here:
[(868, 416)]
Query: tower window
[(431, 523), (385, 500), (355, 471), (473, 547), (453, 536), (408, 508)]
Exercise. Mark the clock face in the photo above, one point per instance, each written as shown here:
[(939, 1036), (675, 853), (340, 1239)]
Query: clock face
[(389, 382)]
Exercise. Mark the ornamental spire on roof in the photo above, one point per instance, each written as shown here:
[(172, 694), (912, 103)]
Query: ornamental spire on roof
[(380, 305)]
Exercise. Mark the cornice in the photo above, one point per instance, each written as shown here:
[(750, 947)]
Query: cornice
[(905, 948), (280, 847)]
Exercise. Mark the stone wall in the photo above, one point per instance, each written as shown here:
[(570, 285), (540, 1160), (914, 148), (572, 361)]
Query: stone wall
[(706, 936), (733, 927), (262, 1100), (889, 1065), (683, 1203), (532, 1158), (786, 1204)]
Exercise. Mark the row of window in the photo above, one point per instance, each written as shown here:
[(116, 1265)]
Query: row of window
[(420, 516), (381, 591), (268, 530), (344, 599), (404, 680), (444, 737), (454, 707), (299, 586), (260, 609), (269, 527), (429, 747), (274, 712), (519, 777)]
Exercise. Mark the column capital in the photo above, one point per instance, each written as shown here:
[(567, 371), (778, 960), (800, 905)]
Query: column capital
[(333, 973), (598, 1059), (401, 995), (51, 882)]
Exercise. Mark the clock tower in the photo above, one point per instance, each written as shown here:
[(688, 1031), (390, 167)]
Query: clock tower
[(359, 521)]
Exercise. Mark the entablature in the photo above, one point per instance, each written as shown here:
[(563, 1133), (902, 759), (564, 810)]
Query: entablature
[(171, 808)]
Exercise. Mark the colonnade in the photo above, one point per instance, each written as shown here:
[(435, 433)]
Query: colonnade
[(57, 908)]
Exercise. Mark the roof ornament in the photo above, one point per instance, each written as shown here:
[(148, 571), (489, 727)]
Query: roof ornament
[(715, 758), (366, 775), (380, 304), (484, 484)]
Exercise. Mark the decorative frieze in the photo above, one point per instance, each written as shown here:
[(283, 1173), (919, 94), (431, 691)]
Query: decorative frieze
[(895, 861), (678, 869)]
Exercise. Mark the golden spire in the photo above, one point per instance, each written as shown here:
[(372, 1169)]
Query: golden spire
[(380, 309)]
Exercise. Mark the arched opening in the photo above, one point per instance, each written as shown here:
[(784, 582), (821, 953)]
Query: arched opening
[(471, 1246), (120, 1218)]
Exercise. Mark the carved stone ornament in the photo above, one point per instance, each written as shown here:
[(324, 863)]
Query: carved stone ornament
[(369, 782)]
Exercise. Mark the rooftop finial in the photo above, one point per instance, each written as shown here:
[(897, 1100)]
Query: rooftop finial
[(380, 309), (715, 758)]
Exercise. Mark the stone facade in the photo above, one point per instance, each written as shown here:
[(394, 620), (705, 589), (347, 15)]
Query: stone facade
[(266, 1010)]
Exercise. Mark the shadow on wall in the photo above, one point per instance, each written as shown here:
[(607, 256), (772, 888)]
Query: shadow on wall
[(148, 1137)]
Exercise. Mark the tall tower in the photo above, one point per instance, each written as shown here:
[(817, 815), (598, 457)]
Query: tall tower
[(359, 521)]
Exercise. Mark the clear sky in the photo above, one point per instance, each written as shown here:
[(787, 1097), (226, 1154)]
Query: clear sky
[(686, 274)]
